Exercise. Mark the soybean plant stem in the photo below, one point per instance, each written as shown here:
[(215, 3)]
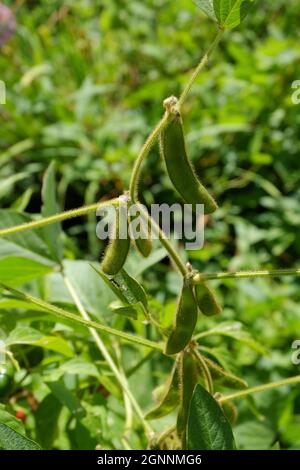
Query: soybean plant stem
[(59, 312), (261, 388), (199, 278), (155, 228), (200, 67), (42, 222), (206, 372), (105, 353), (133, 187)]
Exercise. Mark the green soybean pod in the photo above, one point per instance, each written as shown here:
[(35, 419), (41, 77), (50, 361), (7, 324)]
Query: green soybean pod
[(144, 246), (230, 412), (226, 379), (170, 397), (189, 376), (185, 321), (179, 168), (118, 247), (142, 239), (206, 300)]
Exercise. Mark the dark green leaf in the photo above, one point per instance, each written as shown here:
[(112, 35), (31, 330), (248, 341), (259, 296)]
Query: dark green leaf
[(46, 418), (50, 207), (207, 7), (208, 427), (66, 398), (230, 13)]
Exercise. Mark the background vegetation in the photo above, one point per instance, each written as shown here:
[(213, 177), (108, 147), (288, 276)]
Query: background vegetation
[(85, 84)]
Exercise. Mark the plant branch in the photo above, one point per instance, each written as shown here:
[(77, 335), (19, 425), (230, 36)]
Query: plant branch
[(133, 188), (105, 353), (205, 371), (42, 222), (59, 312), (200, 67), (199, 278), (165, 242), (261, 388)]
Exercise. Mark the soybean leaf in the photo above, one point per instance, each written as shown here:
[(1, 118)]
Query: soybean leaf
[(80, 366), (207, 7), (252, 435), (226, 378), (8, 183), (170, 397), (31, 336), (30, 244), (46, 420), (12, 422), (230, 13), (235, 331), (66, 398), (16, 270), (208, 427), (12, 440), (52, 233), (111, 285), (135, 288), (94, 294), (12, 436), (132, 311)]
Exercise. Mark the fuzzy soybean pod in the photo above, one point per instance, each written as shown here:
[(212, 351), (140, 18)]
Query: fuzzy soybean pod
[(180, 169), (206, 300), (119, 244), (185, 320), (140, 232), (169, 399), (189, 376)]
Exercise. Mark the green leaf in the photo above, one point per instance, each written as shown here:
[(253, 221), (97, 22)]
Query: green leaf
[(12, 435), (12, 422), (170, 398), (230, 13), (111, 285), (207, 7), (16, 270), (135, 288), (8, 183), (46, 420), (52, 233), (235, 331), (131, 311), (66, 398), (30, 244), (28, 335), (252, 435), (94, 295), (227, 379), (132, 296), (208, 427), (80, 366)]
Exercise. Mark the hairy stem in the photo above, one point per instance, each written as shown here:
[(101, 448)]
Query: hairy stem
[(261, 388), (59, 312), (156, 230), (120, 377), (199, 278), (133, 187), (164, 121), (42, 222), (206, 372), (199, 67)]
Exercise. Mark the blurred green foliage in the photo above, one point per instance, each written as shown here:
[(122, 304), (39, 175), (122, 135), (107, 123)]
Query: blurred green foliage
[(85, 84)]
